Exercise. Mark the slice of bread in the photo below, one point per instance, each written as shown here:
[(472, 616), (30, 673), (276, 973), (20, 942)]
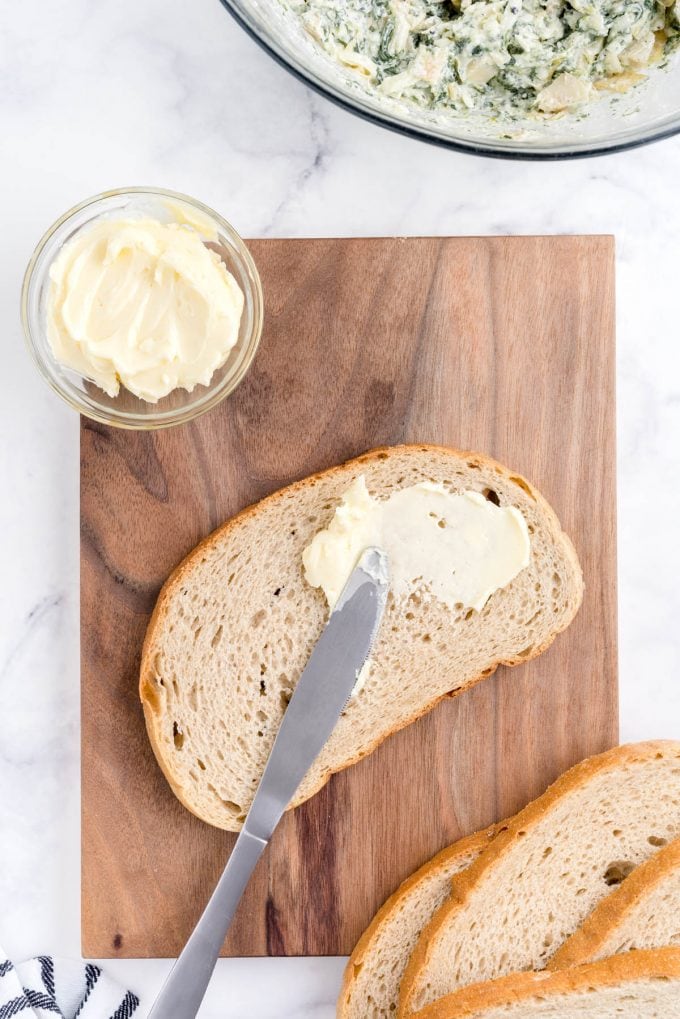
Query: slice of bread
[(643, 912), (370, 987), (645, 985), (542, 876), (236, 622)]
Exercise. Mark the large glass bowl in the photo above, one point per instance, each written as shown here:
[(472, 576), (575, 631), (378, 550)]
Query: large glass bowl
[(647, 113)]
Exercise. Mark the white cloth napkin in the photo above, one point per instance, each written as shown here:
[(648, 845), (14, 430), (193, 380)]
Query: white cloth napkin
[(50, 988)]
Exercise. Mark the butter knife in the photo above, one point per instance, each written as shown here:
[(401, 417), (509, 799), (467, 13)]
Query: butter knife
[(319, 698)]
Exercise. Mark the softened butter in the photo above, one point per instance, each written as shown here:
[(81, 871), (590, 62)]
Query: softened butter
[(458, 547), (143, 304)]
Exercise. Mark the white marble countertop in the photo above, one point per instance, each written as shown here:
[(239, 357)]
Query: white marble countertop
[(98, 95)]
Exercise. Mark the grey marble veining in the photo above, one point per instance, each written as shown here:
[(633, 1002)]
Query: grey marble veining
[(100, 95)]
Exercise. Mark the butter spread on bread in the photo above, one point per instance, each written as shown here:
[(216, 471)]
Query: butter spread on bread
[(461, 548)]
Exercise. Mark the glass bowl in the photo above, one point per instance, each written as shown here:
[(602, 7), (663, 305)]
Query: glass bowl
[(127, 410), (615, 122)]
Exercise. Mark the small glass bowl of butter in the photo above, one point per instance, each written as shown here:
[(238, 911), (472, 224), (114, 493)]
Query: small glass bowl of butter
[(142, 308)]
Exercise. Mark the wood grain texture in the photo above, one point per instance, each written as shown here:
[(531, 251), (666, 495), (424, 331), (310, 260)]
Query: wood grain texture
[(503, 345)]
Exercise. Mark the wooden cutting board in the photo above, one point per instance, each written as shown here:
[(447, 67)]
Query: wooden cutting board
[(504, 345)]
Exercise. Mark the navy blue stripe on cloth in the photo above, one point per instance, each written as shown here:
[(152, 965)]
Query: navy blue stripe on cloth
[(5, 967), (36, 999), (47, 973), (29, 999), (127, 1007), (13, 1007), (92, 974)]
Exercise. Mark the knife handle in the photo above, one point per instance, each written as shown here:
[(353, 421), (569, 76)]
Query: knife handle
[(185, 987)]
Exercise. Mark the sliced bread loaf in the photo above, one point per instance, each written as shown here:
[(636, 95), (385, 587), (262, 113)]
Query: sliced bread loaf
[(542, 876), (643, 912), (370, 988), (643, 986), (235, 624)]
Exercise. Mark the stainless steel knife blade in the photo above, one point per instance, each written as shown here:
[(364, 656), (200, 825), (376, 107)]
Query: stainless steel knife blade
[(317, 703)]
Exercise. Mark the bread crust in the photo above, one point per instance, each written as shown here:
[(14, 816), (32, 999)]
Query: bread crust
[(521, 988), (587, 942), (475, 843), (467, 881), (176, 578)]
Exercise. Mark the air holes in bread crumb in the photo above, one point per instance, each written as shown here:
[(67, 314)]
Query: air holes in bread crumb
[(258, 618), (200, 763), (656, 840), (617, 872), (177, 736), (229, 805), (491, 496), (217, 636), (263, 688)]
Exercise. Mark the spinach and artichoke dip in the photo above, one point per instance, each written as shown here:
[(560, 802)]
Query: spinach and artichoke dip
[(504, 59)]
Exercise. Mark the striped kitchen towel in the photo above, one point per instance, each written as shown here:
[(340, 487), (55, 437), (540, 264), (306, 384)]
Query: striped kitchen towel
[(49, 988)]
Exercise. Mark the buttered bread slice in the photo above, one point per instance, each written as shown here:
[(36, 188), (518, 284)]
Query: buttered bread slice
[(645, 985), (551, 866), (236, 622)]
